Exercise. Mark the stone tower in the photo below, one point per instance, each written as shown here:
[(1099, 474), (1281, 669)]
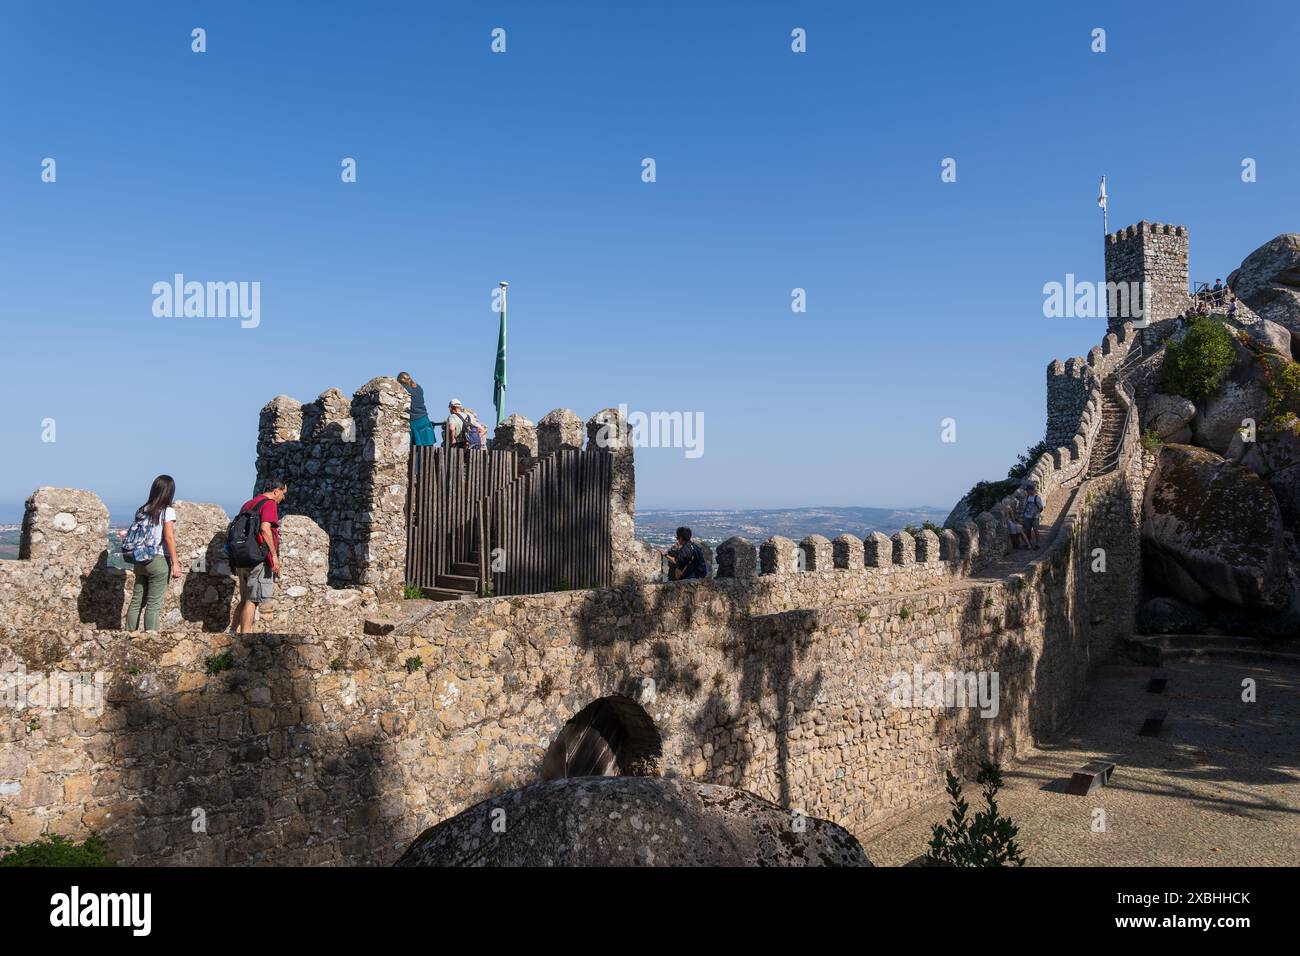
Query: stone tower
[(1146, 266)]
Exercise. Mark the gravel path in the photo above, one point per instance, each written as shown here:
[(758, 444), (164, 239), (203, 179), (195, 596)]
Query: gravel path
[(1219, 786)]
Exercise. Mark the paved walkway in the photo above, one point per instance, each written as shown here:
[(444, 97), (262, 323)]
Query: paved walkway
[(1219, 786)]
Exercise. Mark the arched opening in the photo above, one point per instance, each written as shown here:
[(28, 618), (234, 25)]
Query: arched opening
[(610, 737)]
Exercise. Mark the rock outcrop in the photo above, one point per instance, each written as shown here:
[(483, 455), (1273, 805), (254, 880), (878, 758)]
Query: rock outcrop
[(632, 821), (1212, 528), (1269, 281), (1170, 417)]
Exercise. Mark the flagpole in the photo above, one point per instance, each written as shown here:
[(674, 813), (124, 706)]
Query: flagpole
[(1105, 228), (499, 373)]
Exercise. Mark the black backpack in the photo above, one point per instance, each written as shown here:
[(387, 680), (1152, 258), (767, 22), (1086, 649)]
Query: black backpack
[(242, 546), (698, 568)]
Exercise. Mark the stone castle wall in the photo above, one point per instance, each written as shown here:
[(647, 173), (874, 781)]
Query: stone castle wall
[(345, 462), (340, 747), (328, 745)]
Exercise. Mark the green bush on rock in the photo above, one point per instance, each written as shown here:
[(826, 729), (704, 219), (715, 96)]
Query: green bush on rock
[(1196, 364)]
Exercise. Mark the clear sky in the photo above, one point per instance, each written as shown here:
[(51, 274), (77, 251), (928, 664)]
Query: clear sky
[(775, 170)]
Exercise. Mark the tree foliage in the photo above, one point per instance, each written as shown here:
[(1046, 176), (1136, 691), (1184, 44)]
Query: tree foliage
[(988, 839), (58, 851), (1197, 362)]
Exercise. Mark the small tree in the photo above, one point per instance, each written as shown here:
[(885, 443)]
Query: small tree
[(1196, 365), (1026, 460), (987, 840)]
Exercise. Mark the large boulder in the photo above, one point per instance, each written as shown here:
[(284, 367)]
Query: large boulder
[(1170, 417), (1244, 395), (1266, 336), (1269, 281), (1275, 457), (1212, 527), (632, 821)]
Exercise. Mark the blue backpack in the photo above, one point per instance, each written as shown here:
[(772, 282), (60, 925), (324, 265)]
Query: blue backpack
[(138, 545), (469, 432)]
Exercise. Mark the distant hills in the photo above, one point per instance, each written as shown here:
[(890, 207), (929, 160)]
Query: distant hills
[(659, 527)]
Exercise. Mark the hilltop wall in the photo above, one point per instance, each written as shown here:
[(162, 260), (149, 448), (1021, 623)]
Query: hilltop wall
[(340, 747)]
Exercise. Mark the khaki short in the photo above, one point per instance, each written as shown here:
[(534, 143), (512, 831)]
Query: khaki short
[(256, 584)]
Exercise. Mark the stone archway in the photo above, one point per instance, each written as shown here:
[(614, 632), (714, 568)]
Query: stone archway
[(610, 737)]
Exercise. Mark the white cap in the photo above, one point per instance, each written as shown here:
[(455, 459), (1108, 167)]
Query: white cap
[(455, 401)]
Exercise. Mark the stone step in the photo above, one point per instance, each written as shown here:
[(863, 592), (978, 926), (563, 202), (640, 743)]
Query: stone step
[(445, 594), (457, 582)]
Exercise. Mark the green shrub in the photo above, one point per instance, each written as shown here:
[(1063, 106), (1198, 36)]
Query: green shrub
[(413, 664), (1282, 383), (58, 851), (985, 494), (905, 613), (1149, 440), (987, 840), (412, 592), (216, 663), (1025, 462), (1196, 365)]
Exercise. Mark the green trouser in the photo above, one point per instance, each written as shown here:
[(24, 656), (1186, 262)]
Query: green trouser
[(150, 589)]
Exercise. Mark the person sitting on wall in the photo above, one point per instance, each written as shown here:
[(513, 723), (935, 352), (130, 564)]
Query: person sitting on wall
[(685, 558), (1015, 529), (422, 432), (1232, 306), (1031, 509), (463, 429), (257, 584)]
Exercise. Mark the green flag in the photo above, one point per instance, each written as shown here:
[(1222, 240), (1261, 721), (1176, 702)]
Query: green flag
[(499, 376)]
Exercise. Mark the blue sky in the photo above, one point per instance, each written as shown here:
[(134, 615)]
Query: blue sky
[(775, 170)]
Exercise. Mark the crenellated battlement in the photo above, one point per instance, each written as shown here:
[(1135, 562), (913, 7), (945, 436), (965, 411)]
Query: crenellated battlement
[(1152, 258), (345, 462)]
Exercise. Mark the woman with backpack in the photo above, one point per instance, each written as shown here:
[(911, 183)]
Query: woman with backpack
[(150, 545)]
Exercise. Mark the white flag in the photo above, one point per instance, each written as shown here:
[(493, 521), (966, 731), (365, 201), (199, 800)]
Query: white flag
[(1101, 199)]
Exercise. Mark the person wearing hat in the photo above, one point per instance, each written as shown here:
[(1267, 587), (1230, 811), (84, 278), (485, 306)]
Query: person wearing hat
[(462, 429), (1030, 511)]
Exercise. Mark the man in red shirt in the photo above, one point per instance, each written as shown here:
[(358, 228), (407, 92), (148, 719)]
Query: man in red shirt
[(257, 584)]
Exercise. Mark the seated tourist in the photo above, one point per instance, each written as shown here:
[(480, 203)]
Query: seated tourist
[(1015, 529), (686, 558)]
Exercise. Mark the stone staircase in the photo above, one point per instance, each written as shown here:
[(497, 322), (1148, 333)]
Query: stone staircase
[(1109, 435), (461, 585)]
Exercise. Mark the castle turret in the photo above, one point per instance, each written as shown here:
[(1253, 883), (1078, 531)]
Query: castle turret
[(1146, 273)]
